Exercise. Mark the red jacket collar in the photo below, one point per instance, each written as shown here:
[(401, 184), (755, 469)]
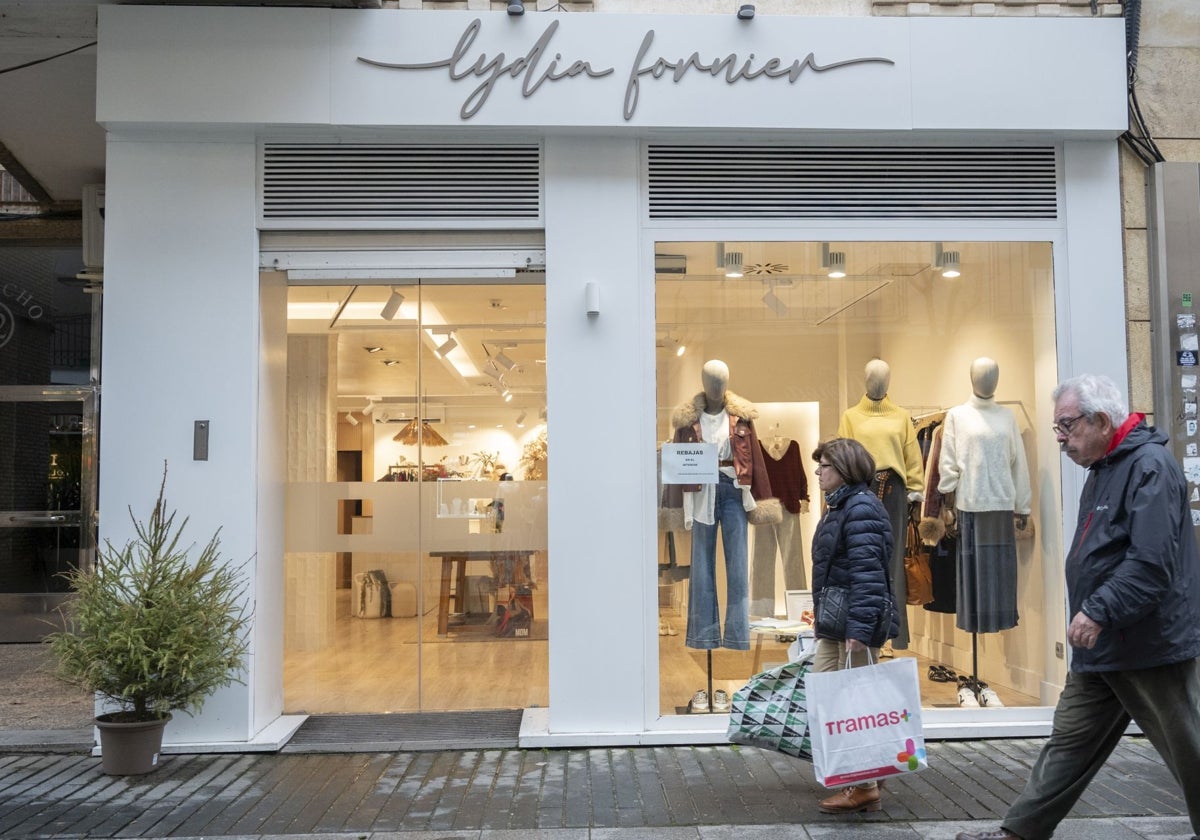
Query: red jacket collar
[(1130, 422)]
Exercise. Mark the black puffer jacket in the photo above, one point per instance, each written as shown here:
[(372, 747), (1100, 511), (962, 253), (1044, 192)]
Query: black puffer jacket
[(1133, 567), (850, 548)]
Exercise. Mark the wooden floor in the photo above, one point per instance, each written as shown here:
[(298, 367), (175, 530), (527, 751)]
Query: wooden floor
[(401, 664)]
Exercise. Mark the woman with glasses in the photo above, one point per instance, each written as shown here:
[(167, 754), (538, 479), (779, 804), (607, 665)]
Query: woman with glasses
[(851, 549)]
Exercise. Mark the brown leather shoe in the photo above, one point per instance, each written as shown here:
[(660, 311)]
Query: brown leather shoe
[(998, 834), (851, 800)]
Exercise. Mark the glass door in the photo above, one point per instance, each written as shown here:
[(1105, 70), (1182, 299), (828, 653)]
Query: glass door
[(49, 342), (416, 559)]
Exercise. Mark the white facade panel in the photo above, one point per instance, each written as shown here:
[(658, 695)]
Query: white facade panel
[(180, 345), (260, 66)]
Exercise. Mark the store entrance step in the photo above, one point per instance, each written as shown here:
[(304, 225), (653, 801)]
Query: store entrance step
[(410, 732)]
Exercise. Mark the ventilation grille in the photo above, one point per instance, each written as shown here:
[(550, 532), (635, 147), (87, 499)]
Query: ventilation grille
[(740, 182), (443, 183)]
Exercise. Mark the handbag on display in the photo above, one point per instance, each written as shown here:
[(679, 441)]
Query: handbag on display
[(770, 711), (865, 723), (917, 573)]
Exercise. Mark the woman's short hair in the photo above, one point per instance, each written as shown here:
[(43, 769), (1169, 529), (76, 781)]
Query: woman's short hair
[(849, 457), (1096, 395)]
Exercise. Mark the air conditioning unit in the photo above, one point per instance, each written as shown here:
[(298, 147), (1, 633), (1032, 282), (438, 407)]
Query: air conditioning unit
[(93, 226)]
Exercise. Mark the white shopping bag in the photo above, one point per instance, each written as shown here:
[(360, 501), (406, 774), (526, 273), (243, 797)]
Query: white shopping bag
[(865, 723)]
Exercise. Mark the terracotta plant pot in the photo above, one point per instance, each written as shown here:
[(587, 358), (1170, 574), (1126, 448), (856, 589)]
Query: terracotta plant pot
[(129, 747)]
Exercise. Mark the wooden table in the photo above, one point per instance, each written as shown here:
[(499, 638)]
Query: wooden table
[(454, 569)]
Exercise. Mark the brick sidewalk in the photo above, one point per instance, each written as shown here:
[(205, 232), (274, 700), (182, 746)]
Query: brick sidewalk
[(480, 791)]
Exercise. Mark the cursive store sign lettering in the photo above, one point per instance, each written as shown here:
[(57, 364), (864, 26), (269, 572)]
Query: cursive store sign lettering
[(539, 65)]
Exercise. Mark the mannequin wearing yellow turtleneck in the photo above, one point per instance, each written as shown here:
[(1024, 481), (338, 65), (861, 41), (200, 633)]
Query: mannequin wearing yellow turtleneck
[(886, 431)]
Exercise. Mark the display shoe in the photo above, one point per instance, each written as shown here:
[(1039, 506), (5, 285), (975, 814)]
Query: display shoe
[(940, 673), (998, 834), (699, 703), (988, 696), (671, 631), (662, 627), (851, 800), (966, 697), (720, 700)]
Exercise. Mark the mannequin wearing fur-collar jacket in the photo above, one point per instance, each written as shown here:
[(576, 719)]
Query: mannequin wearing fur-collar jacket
[(742, 495)]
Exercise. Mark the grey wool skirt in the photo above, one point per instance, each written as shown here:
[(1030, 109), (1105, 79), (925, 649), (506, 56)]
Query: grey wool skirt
[(987, 571)]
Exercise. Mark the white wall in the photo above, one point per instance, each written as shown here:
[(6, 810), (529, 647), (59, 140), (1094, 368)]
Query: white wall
[(181, 344), (600, 387)]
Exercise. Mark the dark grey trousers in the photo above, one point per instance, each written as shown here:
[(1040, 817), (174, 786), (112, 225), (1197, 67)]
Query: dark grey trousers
[(1090, 719)]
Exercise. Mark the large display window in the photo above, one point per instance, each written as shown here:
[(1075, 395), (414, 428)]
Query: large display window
[(416, 568), (800, 342)]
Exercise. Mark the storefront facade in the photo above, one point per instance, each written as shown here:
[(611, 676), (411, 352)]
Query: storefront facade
[(576, 177)]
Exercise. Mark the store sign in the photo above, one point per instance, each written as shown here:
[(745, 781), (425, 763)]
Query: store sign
[(540, 64), (689, 463)]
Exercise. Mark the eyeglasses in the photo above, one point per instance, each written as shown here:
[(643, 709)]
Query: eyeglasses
[(1064, 426)]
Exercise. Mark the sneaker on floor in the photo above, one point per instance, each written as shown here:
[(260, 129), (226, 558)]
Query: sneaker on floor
[(720, 701), (966, 697), (988, 697), (699, 703)]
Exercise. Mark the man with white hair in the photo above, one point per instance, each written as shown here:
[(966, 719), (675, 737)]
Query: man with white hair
[(1133, 583)]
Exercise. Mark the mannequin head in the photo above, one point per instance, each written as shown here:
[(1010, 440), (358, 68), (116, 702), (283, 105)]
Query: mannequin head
[(985, 373), (715, 378), (878, 376)]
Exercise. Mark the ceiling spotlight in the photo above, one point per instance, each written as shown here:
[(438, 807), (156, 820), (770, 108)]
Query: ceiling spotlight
[(733, 264), (516, 8), (501, 358), (833, 261), (372, 349), (774, 303), (508, 396), (746, 11), (521, 420), (950, 264), (446, 346), (674, 344), (370, 407), (392, 306), (351, 419)]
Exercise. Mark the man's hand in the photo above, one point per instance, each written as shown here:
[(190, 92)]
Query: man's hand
[(1083, 632)]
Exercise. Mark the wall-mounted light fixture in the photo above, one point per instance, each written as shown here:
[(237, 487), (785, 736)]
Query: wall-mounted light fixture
[(449, 344), (351, 419), (507, 394), (948, 262), (369, 407), (733, 264), (833, 261), (674, 343), (392, 306), (375, 349), (391, 362), (516, 8), (746, 11)]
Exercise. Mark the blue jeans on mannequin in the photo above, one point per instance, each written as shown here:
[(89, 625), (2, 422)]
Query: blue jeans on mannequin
[(704, 617)]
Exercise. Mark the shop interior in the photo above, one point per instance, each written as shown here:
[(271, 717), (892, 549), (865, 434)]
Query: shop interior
[(796, 323), (416, 563)]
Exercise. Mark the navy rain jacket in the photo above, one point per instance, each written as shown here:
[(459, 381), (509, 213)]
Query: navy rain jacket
[(1133, 567)]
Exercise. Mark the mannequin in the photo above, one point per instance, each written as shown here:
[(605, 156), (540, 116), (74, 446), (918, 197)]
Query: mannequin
[(886, 431), (982, 462), (741, 495), (789, 483)]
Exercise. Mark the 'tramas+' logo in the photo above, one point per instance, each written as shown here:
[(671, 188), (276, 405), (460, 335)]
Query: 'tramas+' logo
[(866, 722)]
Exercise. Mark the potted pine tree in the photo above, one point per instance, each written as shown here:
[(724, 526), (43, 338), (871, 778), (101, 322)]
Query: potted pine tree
[(152, 631)]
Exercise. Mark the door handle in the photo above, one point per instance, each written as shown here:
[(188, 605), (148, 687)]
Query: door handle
[(35, 519)]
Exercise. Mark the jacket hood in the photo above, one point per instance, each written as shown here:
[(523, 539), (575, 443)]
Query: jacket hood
[(688, 413), (1140, 435)]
